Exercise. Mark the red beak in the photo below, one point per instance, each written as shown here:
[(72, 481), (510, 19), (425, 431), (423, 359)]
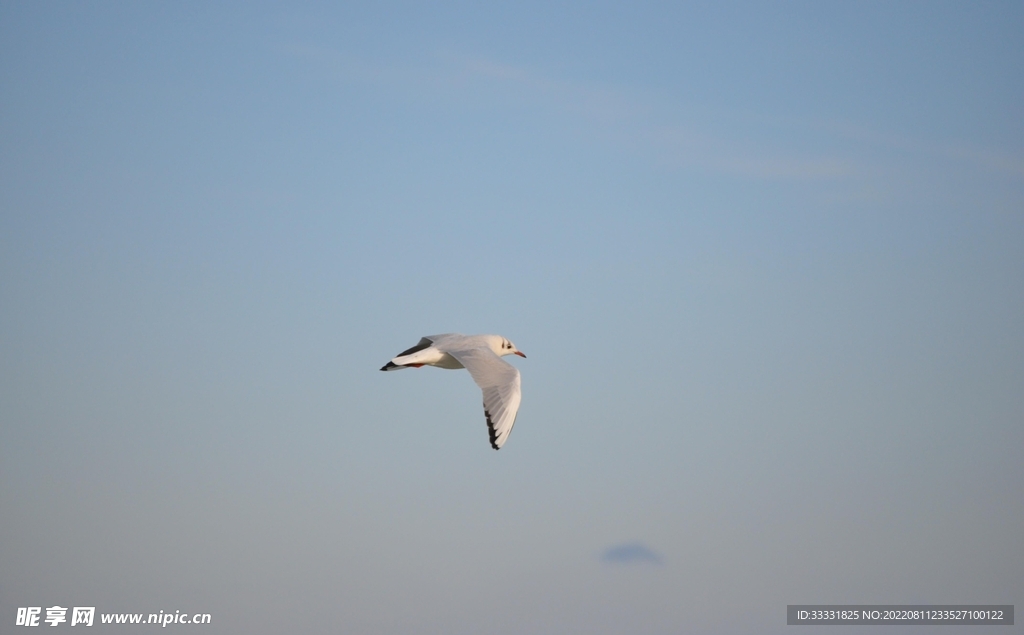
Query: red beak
[(519, 353)]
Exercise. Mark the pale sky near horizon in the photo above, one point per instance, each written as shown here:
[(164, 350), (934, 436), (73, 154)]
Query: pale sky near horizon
[(766, 261)]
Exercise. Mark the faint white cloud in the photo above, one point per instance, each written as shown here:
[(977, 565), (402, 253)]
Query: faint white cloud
[(892, 141), (596, 102), (628, 117), (349, 67), (689, 148), (712, 142), (988, 159)]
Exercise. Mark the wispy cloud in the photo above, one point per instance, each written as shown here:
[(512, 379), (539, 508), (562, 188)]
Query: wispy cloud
[(351, 68), (845, 132), (687, 147), (715, 142), (600, 103), (629, 117), (631, 553)]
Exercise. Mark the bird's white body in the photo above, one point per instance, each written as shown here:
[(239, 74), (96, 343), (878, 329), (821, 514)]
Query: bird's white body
[(481, 356)]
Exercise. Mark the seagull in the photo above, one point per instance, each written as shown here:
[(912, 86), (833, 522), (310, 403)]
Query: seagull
[(481, 356)]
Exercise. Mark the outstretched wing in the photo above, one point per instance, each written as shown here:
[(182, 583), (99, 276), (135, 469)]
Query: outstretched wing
[(425, 342), (500, 384)]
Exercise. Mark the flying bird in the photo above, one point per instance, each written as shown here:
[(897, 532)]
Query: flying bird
[(481, 356)]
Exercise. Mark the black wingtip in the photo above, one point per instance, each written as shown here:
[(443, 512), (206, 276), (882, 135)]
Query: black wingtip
[(491, 432), (389, 366)]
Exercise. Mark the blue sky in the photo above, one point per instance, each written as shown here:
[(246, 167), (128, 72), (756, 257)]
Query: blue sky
[(766, 260)]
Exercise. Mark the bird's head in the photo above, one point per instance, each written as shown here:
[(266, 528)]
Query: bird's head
[(506, 347)]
